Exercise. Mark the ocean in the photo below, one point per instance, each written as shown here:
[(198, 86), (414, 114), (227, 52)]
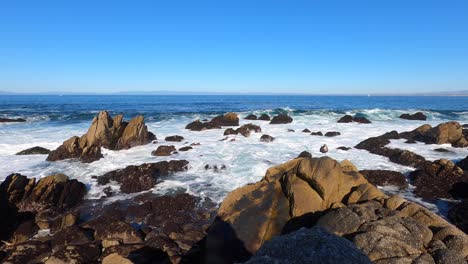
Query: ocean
[(53, 119)]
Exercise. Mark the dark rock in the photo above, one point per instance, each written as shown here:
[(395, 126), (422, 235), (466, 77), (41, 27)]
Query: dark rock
[(445, 133), (71, 236), (230, 131), (185, 148), (264, 117), (199, 126), (114, 230), (332, 134), (305, 154), (361, 120), (174, 138), (442, 150), (244, 130), (228, 119), (385, 178), (55, 219), (324, 148), (458, 215), (12, 120), (266, 138), (290, 130), (463, 163), (164, 150), (318, 133), (309, 246), (34, 151), (306, 130), (281, 119), (346, 119), (25, 231), (436, 179), (251, 117), (415, 116), (343, 148), (143, 177), (31, 251), (87, 253), (374, 144)]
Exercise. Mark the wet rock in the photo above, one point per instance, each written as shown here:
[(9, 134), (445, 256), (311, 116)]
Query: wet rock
[(415, 116), (228, 119), (15, 187), (343, 148), (306, 130), (25, 231), (346, 119), (463, 163), (55, 219), (458, 215), (266, 138), (324, 148), (318, 133), (185, 148), (332, 134), (215, 168), (305, 154), (115, 230), (34, 151), (436, 179), (88, 253), (357, 119), (12, 120), (105, 131), (197, 125), (251, 117), (143, 177), (385, 178), (230, 131), (374, 144), (244, 130), (309, 246), (290, 130), (164, 150), (264, 117), (445, 133), (28, 252), (175, 138), (71, 236), (442, 150), (281, 119)]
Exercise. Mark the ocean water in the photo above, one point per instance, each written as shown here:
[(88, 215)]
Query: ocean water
[(53, 119)]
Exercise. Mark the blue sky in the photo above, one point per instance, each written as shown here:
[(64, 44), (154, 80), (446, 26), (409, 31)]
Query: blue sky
[(243, 45)]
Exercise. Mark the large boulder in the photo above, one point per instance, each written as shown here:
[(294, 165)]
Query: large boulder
[(228, 119), (105, 131), (34, 151), (309, 246), (164, 150), (415, 116), (385, 178), (281, 119), (445, 133), (143, 177)]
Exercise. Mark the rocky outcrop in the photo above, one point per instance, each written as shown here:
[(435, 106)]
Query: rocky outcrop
[(313, 245), (385, 178), (175, 138), (228, 119), (266, 138), (34, 151), (107, 132), (445, 133), (12, 120), (264, 117), (197, 125), (244, 130), (143, 177), (251, 117), (164, 150), (281, 119), (357, 119), (415, 116), (437, 179)]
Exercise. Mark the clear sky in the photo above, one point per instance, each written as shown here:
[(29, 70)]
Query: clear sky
[(237, 45)]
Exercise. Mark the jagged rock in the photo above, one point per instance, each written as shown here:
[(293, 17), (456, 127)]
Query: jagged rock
[(71, 236), (458, 214), (244, 130), (445, 133), (436, 179), (164, 150), (25, 231), (264, 117), (281, 119), (143, 177), (385, 178), (175, 138), (305, 154), (16, 187), (318, 133), (185, 148), (34, 151), (309, 246), (12, 120), (105, 131), (114, 230), (251, 117), (374, 144), (88, 253), (266, 138), (306, 130), (56, 220), (31, 251), (332, 134), (415, 116)]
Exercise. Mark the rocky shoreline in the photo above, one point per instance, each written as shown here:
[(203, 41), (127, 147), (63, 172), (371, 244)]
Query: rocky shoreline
[(306, 210)]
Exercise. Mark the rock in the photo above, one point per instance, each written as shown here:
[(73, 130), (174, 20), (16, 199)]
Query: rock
[(88, 253), (197, 125), (463, 163), (375, 144), (143, 177), (34, 151), (25, 231), (415, 116), (281, 119), (12, 120), (116, 230), (436, 179), (31, 251), (164, 150), (357, 119), (228, 119), (266, 138), (230, 131), (251, 117), (16, 187), (309, 246), (111, 133), (332, 134), (55, 219), (174, 138), (264, 117), (185, 148), (343, 148), (244, 130), (290, 130), (324, 148), (305, 154), (442, 150), (318, 133), (346, 119), (445, 133), (385, 178), (71, 236), (458, 214), (306, 130)]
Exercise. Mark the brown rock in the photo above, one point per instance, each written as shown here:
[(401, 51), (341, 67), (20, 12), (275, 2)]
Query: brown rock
[(281, 119), (415, 116), (251, 117), (332, 134), (264, 117), (34, 151), (385, 178), (228, 119), (266, 138), (174, 138), (185, 148), (164, 150), (197, 125), (87, 253), (445, 133)]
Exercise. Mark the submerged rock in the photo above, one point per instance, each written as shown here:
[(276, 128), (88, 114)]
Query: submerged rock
[(12, 120), (318, 133), (281, 119), (332, 134), (175, 138), (251, 117), (266, 138), (187, 148), (228, 119), (197, 125), (34, 151), (415, 116)]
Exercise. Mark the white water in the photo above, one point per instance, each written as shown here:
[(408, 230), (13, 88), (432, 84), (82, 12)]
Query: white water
[(246, 159)]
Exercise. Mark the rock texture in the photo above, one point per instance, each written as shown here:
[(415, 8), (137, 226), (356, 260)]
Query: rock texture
[(164, 150), (244, 130), (357, 119), (228, 119), (12, 120), (385, 178), (415, 116), (332, 134), (143, 177), (264, 117), (251, 117), (105, 131), (175, 138), (458, 214), (34, 151), (445, 133), (281, 119), (266, 138)]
